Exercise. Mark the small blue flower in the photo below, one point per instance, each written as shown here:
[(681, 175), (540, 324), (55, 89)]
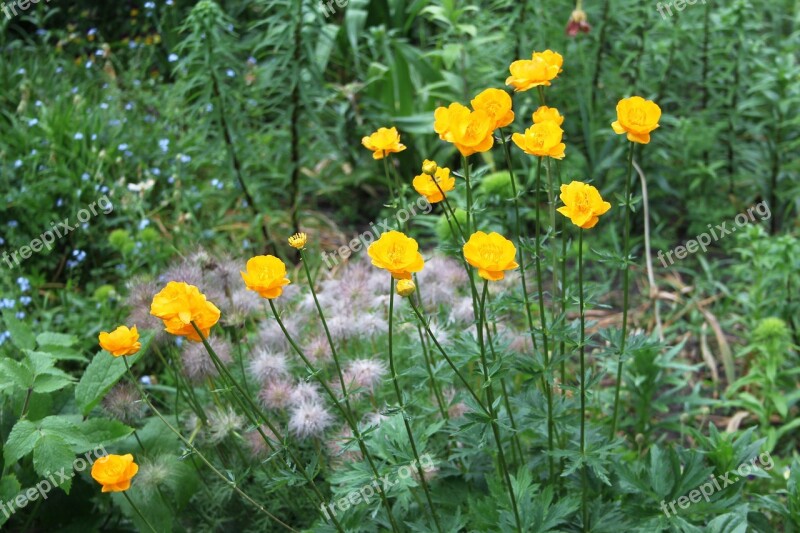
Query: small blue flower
[(122, 147), (2, 241), (145, 380), (185, 158), (155, 171), (143, 224), (13, 224), (7, 303), (164, 145), (18, 163), (103, 105), (172, 58), (85, 176), (32, 122), (20, 315), (78, 136), (24, 284), (25, 300), (230, 73)]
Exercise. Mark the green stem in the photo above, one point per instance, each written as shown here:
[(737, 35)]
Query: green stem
[(447, 358), (202, 457), (346, 414), (492, 413), (401, 403), (138, 512), (543, 318), (625, 287), (465, 164), (518, 234), (583, 380)]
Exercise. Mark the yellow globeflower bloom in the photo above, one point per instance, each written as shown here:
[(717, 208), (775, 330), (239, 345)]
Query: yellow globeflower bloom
[(266, 275), (121, 341), (298, 240), (179, 304), (541, 69), (491, 254), (497, 104), (383, 142), (542, 139), (637, 117), (545, 113), (583, 204), (406, 287), (114, 472), (397, 253), (425, 184), (470, 131)]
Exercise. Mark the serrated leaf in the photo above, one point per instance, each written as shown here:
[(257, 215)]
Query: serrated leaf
[(53, 456), (100, 431), (15, 374), (52, 381), (21, 335), (103, 373), (20, 441)]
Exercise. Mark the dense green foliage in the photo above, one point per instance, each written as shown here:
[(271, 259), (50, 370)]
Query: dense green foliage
[(178, 139)]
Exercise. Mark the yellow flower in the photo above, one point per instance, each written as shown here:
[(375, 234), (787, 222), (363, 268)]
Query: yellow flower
[(583, 204), (121, 341), (539, 70), (406, 287), (298, 240), (637, 117), (545, 113), (542, 139), (114, 472), (497, 104), (491, 254), (179, 304), (470, 131), (383, 142), (429, 167), (397, 253), (266, 275), (425, 185)]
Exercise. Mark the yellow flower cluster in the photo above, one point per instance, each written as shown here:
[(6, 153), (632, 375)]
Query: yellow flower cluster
[(472, 131)]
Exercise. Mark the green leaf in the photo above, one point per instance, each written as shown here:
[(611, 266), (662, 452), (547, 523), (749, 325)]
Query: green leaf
[(21, 335), (53, 456), (98, 432), (20, 441), (14, 374), (9, 488), (52, 381), (56, 339), (103, 373)]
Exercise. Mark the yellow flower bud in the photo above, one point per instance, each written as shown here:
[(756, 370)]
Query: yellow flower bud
[(406, 287), (298, 240), (429, 167)]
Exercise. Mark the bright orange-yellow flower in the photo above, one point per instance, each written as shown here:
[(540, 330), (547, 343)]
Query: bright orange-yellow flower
[(583, 204), (114, 472), (266, 275), (637, 117), (497, 104), (491, 254), (542, 140), (121, 341), (383, 142), (179, 304), (545, 113), (470, 131), (540, 69), (425, 185), (397, 253)]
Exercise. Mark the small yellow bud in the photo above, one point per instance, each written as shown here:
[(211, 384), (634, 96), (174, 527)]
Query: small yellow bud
[(298, 240), (406, 287), (429, 167)]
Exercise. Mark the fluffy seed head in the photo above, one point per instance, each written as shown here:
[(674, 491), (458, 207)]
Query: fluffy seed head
[(309, 419)]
